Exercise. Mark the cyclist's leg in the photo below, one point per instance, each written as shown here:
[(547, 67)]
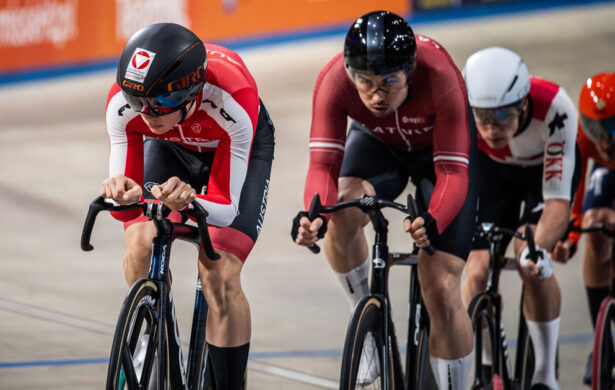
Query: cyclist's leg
[(138, 237), (228, 325), (597, 208), (450, 341), (541, 307), (345, 244), (228, 318), (597, 259)]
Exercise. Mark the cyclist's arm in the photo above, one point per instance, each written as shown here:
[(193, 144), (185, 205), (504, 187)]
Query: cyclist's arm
[(125, 145), (586, 147), (558, 169), (552, 223), (230, 164), (451, 150), (327, 139)]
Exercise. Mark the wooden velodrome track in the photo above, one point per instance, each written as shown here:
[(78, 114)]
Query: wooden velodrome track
[(58, 305)]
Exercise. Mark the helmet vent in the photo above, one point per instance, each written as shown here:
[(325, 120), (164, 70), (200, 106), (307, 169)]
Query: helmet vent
[(171, 69), (512, 84)]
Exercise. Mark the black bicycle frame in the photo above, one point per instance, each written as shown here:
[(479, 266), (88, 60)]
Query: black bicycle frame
[(378, 288), (495, 267), (158, 272)]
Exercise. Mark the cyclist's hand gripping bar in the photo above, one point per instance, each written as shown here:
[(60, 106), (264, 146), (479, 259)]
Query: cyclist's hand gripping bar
[(313, 213), (413, 213), (531, 245), (194, 210)]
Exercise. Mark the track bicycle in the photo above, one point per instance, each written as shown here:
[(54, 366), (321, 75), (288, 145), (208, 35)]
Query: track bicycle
[(603, 356), (485, 309), (146, 350), (372, 314)]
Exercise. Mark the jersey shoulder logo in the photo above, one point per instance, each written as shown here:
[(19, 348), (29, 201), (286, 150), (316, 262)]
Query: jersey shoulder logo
[(139, 64), (557, 123)]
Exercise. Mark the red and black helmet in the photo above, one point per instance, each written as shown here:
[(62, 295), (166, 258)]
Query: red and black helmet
[(162, 68)]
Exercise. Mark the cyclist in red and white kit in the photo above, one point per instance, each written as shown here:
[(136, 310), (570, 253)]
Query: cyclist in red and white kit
[(526, 136), (408, 112), (185, 122)]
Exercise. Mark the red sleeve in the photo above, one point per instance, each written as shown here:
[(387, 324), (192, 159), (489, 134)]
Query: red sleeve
[(587, 150), (451, 146), (327, 138)]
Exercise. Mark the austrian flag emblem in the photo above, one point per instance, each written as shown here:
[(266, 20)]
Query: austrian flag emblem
[(139, 65)]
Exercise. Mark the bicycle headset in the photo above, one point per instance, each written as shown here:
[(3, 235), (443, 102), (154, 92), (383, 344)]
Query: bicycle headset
[(162, 69), (497, 81), (379, 43), (597, 107)]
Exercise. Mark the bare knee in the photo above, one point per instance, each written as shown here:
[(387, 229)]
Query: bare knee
[(598, 245), (221, 281), (440, 278), (477, 268), (138, 251), (345, 224)]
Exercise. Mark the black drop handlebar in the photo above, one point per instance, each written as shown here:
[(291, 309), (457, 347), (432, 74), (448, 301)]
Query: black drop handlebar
[(607, 228), (366, 204), (493, 233), (154, 211)]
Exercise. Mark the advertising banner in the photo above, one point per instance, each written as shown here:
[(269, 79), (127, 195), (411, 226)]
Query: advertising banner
[(39, 34)]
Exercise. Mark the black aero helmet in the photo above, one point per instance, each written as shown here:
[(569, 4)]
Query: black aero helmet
[(162, 68), (379, 42)]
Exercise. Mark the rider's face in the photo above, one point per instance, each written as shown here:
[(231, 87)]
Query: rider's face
[(497, 126), (382, 94), (162, 123)]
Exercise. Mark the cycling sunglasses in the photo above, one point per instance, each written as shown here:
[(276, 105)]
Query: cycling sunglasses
[(163, 104), (496, 116)]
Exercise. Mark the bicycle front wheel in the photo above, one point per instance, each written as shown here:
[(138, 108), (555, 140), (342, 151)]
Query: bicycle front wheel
[(362, 369), (481, 315), (603, 360), (133, 352)]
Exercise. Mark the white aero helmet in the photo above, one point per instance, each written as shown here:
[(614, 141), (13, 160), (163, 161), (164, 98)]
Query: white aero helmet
[(495, 77)]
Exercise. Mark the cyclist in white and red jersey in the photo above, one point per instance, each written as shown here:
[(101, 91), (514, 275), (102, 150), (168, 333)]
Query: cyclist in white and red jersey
[(185, 122), (527, 140), (408, 112)]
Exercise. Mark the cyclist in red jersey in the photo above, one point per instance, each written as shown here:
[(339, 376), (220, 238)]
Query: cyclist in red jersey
[(526, 138), (596, 139), (409, 119), (185, 123)]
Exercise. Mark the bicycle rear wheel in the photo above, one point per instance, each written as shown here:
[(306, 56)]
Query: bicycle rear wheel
[(367, 319), (135, 342), (603, 360)]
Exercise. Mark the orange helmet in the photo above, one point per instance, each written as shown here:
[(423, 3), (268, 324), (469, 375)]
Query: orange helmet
[(597, 106)]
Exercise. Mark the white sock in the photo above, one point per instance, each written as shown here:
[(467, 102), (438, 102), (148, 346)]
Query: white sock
[(354, 283), (544, 338), (486, 353), (451, 374)]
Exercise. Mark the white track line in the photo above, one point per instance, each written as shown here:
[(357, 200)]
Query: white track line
[(293, 375), (55, 316), (97, 327)]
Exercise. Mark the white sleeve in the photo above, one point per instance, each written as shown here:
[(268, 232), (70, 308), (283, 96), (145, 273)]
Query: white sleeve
[(560, 147)]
